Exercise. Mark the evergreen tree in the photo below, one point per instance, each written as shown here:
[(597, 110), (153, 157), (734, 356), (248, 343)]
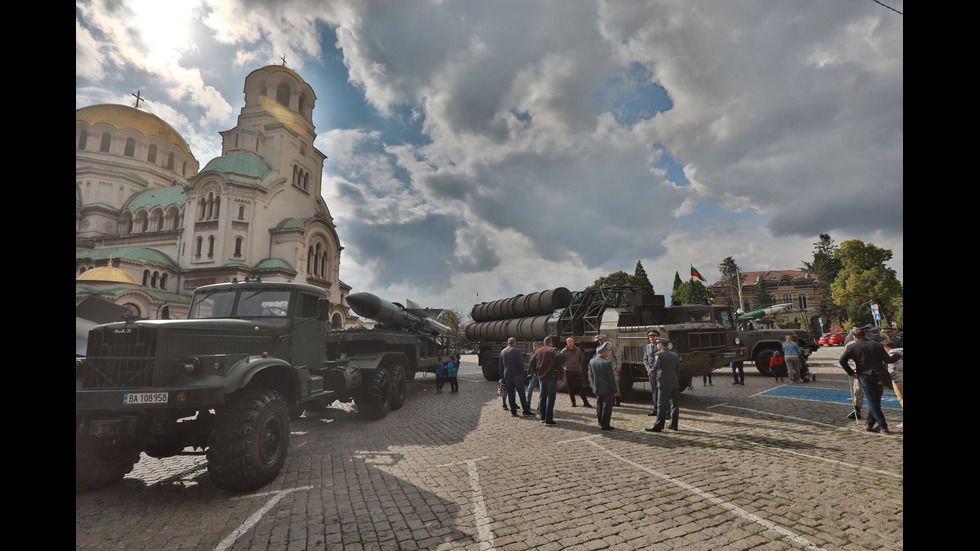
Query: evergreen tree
[(731, 277), (641, 278), (825, 267), (763, 296), (677, 281)]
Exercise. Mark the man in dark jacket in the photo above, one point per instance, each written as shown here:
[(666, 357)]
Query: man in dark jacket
[(546, 365), (871, 371), (511, 366)]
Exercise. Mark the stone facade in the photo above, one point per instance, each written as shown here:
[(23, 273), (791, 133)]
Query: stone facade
[(142, 199)]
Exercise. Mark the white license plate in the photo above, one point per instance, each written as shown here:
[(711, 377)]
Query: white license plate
[(137, 398)]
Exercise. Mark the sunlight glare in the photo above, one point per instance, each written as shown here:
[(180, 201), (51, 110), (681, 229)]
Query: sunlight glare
[(163, 26)]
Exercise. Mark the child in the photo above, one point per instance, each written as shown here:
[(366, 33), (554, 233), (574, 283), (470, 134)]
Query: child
[(451, 369), (440, 374), (502, 391), (778, 366)]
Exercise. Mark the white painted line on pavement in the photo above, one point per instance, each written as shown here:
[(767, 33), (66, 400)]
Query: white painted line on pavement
[(734, 509), (479, 507), (256, 516)]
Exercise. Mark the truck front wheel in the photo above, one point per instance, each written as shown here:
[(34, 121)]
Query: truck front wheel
[(374, 399), (762, 358), (248, 443), (98, 464), (397, 373)]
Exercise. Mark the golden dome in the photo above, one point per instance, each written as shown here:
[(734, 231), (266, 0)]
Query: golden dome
[(107, 274), (123, 116)]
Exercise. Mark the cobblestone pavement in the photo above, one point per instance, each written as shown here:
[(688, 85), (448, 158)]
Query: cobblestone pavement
[(457, 471)]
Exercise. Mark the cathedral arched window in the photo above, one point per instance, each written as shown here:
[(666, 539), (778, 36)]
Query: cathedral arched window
[(238, 246), (153, 280), (787, 297), (146, 278), (282, 94), (295, 170), (802, 301), (241, 212), (306, 181), (163, 282), (170, 161), (197, 247), (130, 150), (83, 140), (210, 205), (151, 154), (106, 141), (211, 246), (204, 208), (217, 206)]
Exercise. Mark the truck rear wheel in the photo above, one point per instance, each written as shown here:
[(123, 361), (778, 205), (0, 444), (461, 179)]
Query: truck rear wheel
[(400, 383), (248, 443), (762, 358), (374, 399), (98, 465), (625, 384), (489, 366)]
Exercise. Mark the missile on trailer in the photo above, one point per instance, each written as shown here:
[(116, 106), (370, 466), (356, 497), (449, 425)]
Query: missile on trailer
[(396, 315)]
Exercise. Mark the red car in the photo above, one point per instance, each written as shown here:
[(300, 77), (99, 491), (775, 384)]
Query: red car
[(831, 339)]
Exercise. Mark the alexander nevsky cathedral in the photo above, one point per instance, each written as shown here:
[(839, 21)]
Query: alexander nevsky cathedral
[(151, 225)]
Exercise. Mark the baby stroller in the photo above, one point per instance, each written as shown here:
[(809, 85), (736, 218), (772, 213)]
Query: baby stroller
[(805, 375)]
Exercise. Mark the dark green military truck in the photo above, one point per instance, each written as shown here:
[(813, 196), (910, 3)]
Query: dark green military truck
[(225, 382)]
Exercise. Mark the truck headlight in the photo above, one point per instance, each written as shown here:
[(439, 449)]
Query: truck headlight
[(190, 365)]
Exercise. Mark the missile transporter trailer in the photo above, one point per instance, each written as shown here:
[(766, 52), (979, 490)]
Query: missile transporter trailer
[(224, 383), (703, 336)]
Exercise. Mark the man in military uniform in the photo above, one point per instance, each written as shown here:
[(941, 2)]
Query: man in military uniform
[(666, 367)]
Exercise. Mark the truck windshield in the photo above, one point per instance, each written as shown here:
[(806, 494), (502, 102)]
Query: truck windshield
[(247, 304)]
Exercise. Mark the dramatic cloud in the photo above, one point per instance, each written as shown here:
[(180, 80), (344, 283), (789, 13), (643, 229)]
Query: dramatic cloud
[(513, 145)]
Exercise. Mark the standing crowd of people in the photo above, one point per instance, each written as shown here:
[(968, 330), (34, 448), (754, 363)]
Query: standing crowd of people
[(877, 362)]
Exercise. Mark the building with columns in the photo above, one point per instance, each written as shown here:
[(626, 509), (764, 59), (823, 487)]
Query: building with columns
[(143, 201)]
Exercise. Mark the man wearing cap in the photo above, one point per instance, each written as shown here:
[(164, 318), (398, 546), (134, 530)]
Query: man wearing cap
[(874, 335), (604, 385), (648, 360), (615, 358), (666, 367), (546, 363), (892, 334)]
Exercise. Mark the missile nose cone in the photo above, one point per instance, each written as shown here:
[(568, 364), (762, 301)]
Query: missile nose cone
[(364, 304)]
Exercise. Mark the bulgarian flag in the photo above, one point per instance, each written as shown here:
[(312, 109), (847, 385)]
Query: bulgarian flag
[(695, 273)]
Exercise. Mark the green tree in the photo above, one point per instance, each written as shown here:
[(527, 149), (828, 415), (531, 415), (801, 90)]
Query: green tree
[(864, 279), (731, 277), (614, 279), (677, 281), (640, 276), (453, 319), (691, 292), (824, 267), (763, 296)]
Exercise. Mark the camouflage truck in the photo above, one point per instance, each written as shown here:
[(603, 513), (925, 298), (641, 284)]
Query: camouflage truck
[(761, 338), (704, 336), (226, 382)]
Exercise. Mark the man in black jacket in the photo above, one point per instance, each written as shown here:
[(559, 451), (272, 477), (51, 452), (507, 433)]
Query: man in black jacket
[(870, 359)]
